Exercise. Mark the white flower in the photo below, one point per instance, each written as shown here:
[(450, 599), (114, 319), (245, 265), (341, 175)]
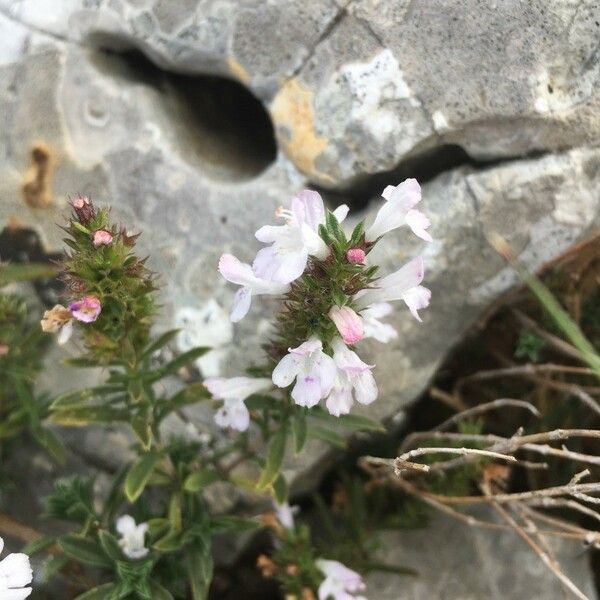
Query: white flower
[(291, 244), (242, 274), (341, 583), (208, 326), (234, 391), (401, 285), (132, 537), (285, 514), (399, 210), (15, 575), (313, 370), (348, 323), (373, 327), (353, 377)]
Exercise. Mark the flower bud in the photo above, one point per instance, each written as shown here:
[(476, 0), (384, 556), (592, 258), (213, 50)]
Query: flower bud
[(87, 309), (356, 256), (348, 323), (84, 209), (101, 237)]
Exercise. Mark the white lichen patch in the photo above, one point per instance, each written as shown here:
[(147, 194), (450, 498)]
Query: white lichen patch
[(440, 123), (376, 87), (12, 40), (207, 325)]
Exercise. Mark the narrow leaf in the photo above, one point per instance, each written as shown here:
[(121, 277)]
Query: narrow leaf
[(138, 475), (84, 551), (200, 479), (274, 460)]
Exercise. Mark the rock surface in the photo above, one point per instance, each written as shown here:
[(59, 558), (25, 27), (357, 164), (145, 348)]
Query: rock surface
[(356, 86), (456, 562), (352, 89)]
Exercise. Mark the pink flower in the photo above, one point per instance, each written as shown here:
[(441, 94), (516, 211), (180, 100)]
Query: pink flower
[(341, 583), (84, 209), (399, 210), (291, 244), (348, 323), (356, 256), (313, 370), (243, 274), (87, 309), (401, 285), (233, 392), (101, 238)]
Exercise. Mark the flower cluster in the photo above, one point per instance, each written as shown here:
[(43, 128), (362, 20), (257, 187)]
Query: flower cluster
[(332, 298), (110, 288)]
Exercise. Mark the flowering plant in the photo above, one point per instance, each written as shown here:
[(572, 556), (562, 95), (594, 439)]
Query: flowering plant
[(331, 299)]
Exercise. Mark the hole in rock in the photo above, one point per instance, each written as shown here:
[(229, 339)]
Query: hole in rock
[(214, 123), (423, 167)]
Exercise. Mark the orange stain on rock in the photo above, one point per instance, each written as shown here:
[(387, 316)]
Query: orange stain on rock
[(37, 185), (293, 113)]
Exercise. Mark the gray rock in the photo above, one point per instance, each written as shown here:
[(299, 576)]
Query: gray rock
[(355, 87), (458, 562), (352, 90)]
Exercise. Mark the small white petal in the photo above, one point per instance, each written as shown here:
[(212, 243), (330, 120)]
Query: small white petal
[(341, 212), (234, 270), (417, 298), (15, 570), (286, 370), (236, 388), (307, 391), (418, 222), (241, 304), (65, 333), (365, 388)]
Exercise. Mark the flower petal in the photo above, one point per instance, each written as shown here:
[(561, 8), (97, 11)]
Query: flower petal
[(307, 391), (241, 304), (341, 212), (235, 271), (419, 222), (238, 388), (406, 194), (339, 402), (15, 570), (417, 298), (307, 207), (239, 415), (286, 370), (19, 594), (365, 388), (125, 525), (311, 345)]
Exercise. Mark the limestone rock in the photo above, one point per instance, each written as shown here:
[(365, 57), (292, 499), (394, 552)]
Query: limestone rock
[(357, 86), (458, 562)]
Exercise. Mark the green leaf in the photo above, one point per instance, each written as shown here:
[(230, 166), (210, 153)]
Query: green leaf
[(258, 402), (39, 545), (280, 488), (357, 234), (78, 416), (300, 431), (26, 272), (231, 523), (102, 592), (110, 545), (161, 341), (50, 442), (200, 479), (177, 363), (274, 460), (80, 397), (142, 427), (159, 592), (168, 543), (327, 435), (334, 227), (175, 511), (353, 422), (84, 550), (138, 475), (200, 570)]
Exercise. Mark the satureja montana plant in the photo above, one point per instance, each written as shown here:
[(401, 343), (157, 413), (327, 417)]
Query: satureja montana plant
[(332, 297)]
